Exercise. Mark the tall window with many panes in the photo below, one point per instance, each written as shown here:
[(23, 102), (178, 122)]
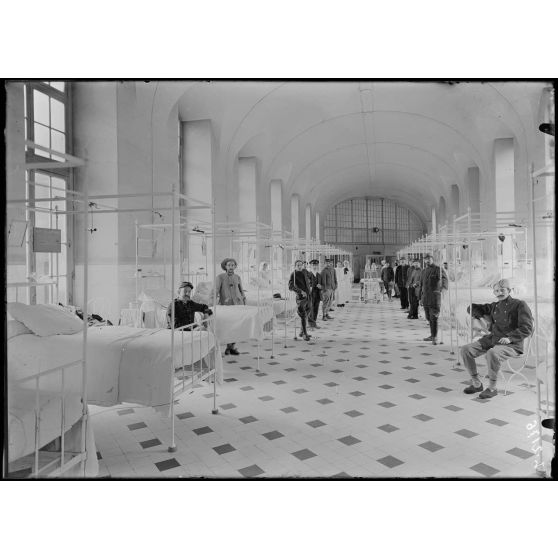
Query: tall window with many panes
[(47, 141), (371, 221)]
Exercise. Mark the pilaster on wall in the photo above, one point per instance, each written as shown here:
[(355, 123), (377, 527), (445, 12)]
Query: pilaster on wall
[(276, 199), (308, 221), (504, 186), (295, 217), (318, 227)]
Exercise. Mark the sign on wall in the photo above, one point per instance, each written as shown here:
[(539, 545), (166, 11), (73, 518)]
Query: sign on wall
[(47, 240)]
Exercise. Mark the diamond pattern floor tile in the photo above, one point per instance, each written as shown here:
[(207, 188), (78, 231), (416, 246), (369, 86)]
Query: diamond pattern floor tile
[(294, 417)]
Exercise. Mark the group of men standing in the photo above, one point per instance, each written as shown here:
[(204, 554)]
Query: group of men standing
[(418, 286), (312, 286)]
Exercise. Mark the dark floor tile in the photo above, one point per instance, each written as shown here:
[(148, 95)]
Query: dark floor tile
[(125, 412), (137, 425), (247, 388), (303, 454), (186, 415), (228, 406), (300, 390), (202, 430), (484, 469), (225, 448), (524, 412), (423, 417), (279, 382), (273, 435), (251, 471), (390, 461), (167, 464), (150, 443), (359, 378), (309, 376), (453, 408), (266, 398), (354, 413), (231, 380), (417, 396), (466, 433), (431, 446), (331, 384), (356, 393), (497, 422), (248, 419), (518, 452), (443, 389), (316, 423), (288, 410), (412, 380), (387, 404), (389, 428), (386, 386), (349, 440), (324, 401)]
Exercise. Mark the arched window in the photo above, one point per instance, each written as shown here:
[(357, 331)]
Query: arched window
[(371, 221)]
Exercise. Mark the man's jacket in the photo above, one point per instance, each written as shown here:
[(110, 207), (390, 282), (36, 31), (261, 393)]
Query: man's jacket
[(510, 318), (432, 281)]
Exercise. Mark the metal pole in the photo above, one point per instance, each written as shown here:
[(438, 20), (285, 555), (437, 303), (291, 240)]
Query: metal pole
[(172, 447), (470, 250), (540, 465), (456, 317), (217, 347), (85, 328)]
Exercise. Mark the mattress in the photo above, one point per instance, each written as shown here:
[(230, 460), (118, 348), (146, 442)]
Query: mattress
[(125, 364), (266, 299), (21, 425), (240, 323)]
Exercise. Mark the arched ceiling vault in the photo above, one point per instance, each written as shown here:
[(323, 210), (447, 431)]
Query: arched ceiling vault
[(334, 140)]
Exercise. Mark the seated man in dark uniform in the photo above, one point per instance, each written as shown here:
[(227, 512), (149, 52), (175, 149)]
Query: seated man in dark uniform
[(511, 322), (185, 308)]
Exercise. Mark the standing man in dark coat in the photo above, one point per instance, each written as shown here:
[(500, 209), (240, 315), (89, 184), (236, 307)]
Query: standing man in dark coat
[(386, 275), (401, 281), (328, 282), (510, 323), (300, 284), (432, 281), (314, 275), (413, 287)]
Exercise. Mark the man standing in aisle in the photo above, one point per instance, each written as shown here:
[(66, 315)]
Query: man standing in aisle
[(387, 277), (413, 288), (401, 281), (328, 283), (314, 276), (510, 323), (432, 281)]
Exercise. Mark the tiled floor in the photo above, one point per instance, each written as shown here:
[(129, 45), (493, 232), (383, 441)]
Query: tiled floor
[(365, 398)]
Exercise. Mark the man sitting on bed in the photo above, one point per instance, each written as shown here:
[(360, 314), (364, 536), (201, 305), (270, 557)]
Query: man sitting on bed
[(185, 309), (510, 323)]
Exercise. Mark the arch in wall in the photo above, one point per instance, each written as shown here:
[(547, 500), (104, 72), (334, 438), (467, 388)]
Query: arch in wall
[(454, 199), (442, 212)]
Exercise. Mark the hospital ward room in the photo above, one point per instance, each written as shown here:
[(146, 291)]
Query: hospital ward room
[(280, 280)]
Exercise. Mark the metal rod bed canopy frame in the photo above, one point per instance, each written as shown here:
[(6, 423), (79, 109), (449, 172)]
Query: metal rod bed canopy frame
[(79, 458)]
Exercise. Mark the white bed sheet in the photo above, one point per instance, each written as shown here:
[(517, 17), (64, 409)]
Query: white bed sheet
[(267, 299), (240, 323), (21, 425), (124, 364)]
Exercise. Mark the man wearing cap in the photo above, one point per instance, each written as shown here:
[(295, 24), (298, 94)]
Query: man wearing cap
[(299, 282), (432, 281), (329, 284), (413, 288), (314, 276), (229, 292), (185, 308), (510, 323), (401, 280)]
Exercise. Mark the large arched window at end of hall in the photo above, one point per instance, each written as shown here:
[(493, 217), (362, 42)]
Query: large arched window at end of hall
[(47, 115), (372, 221)]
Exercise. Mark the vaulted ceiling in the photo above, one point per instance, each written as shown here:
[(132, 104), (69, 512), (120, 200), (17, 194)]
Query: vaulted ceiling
[(329, 141)]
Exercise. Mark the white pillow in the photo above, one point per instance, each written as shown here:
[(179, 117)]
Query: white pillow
[(204, 293), (45, 320), (16, 328)]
